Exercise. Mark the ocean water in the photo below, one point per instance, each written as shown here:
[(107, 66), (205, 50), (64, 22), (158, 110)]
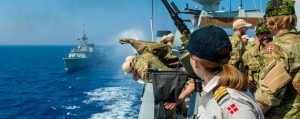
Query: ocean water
[(34, 84)]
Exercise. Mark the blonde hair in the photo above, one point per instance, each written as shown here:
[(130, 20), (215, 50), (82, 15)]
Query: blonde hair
[(282, 22), (230, 77)]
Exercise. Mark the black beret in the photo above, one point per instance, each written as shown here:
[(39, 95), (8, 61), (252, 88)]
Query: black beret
[(207, 41)]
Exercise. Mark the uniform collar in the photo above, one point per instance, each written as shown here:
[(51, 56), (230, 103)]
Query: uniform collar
[(283, 32), (212, 84)]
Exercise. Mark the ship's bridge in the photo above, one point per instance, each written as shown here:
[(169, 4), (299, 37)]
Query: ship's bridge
[(209, 5)]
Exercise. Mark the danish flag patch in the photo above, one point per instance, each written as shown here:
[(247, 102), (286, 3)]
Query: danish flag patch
[(232, 109), (270, 48)]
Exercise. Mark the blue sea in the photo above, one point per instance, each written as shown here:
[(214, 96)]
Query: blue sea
[(34, 84)]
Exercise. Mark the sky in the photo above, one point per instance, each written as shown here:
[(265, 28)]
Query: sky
[(297, 9), (59, 22)]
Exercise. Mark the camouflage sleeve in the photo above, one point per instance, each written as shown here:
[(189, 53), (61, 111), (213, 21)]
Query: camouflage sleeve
[(142, 69), (143, 72), (235, 54), (264, 95), (246, 60), (246, 57)]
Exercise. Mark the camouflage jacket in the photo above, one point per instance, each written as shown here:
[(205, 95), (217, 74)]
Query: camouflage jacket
[(162, 51), (279, 84), (237, 52), (146, 61), (251, 63)]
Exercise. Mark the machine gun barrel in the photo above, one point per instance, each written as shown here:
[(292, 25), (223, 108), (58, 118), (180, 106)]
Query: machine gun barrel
[(179, 23), (175, 8)]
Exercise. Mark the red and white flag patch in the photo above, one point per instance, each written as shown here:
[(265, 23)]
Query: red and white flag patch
[(232, 109), (270, 48)]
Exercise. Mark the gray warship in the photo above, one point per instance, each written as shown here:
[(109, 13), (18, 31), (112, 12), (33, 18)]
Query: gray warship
[(151, 108), (85, 55)]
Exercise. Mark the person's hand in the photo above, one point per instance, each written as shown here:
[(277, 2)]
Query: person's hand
[(170, 106)]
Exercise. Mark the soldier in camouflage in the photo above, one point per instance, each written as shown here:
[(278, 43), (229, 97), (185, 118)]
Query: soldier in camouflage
[(252, 54), (245, 39), (168, 39), (139, 66), (278, 91), (162, 51), (240, 27)]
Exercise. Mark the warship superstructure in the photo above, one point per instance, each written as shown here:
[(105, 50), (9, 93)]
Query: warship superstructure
[(85, 55)]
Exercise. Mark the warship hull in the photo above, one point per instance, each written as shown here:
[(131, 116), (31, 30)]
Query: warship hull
[(76, 63)]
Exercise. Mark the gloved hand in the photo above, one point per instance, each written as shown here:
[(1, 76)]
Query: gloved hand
[(125, 40)]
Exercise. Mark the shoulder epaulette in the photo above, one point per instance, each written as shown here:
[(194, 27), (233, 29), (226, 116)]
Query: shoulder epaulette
[(219, 93)]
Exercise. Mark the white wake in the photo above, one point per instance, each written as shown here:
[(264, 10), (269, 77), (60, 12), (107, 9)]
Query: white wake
[(117, 102)]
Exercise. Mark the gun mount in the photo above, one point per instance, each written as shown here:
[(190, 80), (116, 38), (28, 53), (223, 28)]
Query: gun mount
[(179, 23)]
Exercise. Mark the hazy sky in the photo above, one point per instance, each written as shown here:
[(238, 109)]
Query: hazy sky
[(59, 22), (298, 12)]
